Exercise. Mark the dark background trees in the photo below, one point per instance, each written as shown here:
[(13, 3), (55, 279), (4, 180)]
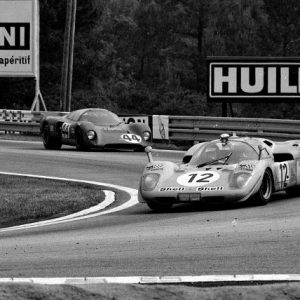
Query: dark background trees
[(148, 57)]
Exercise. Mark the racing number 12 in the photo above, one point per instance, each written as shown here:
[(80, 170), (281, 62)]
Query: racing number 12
[(204, 178), (283, 175)]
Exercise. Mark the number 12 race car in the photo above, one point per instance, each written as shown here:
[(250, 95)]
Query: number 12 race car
[(93, 128), (230, 169)]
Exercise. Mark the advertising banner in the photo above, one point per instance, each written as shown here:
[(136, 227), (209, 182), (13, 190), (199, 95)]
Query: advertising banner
[(247, 79), (19, 38), (160, 127)]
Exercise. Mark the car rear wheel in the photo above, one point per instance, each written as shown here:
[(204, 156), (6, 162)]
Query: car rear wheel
[(50, 142), (263, 195), (79, 142), (160, 207)]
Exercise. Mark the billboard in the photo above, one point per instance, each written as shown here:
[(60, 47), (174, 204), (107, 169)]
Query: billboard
[(19, 38), (247, 79)]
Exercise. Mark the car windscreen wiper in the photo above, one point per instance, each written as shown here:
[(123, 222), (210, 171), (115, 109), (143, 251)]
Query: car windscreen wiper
[(226, 157)]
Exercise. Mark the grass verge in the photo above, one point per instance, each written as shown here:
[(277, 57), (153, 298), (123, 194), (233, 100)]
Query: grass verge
[(25, 199)]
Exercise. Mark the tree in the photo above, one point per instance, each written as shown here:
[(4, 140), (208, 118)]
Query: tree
[(284, 26)]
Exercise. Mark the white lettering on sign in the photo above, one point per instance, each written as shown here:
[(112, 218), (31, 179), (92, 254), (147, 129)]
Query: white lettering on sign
[(7, 37), (258, 83), (14, 36), (220, 78), (285, 82), (257, 79)]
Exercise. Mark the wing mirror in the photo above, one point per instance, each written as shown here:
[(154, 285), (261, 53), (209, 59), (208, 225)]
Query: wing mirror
[(148, 151)]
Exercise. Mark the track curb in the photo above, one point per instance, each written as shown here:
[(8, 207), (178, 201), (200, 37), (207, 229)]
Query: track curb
[(203, 279), (84, 214)]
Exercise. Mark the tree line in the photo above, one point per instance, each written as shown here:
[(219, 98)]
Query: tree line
[(149, 56)]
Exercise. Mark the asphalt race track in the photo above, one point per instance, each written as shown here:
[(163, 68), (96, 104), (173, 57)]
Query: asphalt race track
[(190, 240)]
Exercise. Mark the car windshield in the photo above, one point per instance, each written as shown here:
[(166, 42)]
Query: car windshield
[(101, 117), (216, 152)]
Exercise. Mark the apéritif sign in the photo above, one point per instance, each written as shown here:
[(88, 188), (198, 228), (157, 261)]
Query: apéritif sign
[(247, 79), (19, 40)]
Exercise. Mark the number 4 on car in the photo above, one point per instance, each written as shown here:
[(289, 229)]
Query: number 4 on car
[(230, 169)]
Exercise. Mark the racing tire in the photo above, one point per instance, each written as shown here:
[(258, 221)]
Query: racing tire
[(79, 141), (50, 142), (263, 195), (160, 207)]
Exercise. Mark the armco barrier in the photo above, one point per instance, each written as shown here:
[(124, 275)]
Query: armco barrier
[(205, 128), (178, 128), (23, 121)]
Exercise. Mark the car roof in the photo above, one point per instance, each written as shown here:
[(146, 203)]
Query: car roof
[(83, 110), (248, 140)]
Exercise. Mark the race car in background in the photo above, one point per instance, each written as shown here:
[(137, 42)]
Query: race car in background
[(229, 169), (93, 128)]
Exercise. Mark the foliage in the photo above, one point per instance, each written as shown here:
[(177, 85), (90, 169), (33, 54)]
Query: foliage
[(149, 56)]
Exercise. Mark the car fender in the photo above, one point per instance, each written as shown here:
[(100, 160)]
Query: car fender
[(85, 127), (138, 128), (53, 123)]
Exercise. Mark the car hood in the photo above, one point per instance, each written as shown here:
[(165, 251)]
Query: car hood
[(210, 177)]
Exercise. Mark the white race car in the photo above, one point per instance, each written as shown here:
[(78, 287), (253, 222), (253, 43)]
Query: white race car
[(229, 169)]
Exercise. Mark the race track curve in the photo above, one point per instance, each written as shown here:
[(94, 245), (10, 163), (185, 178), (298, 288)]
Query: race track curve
[(190, 240)]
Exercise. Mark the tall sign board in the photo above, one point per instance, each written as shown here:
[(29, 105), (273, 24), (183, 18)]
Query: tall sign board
[(19, 43), (248, 79), (19, 40)]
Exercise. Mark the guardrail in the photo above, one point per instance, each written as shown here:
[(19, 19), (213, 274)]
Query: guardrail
[(23, 121), (206, 128), (174, 128)]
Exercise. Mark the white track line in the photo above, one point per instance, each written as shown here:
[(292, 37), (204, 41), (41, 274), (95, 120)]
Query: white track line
[(20, 141), (158, 279), (84, 214)]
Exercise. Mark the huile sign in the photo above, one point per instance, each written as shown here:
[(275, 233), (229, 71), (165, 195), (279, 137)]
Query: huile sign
[(249, 79)]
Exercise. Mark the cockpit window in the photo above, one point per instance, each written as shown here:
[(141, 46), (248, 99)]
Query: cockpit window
[(232, 152), (100, 117)]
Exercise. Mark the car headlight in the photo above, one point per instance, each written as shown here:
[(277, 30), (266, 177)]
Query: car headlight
[(91, 135), (150, 181), (146, 135), (242, 179)]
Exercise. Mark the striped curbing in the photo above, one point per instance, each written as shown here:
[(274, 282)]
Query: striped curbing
[(91, 212), (203, 279)]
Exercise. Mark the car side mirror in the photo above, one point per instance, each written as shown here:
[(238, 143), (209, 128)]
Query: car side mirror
[(148, 151)]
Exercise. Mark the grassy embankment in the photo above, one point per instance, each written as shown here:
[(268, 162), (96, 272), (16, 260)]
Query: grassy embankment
[(24, 199)]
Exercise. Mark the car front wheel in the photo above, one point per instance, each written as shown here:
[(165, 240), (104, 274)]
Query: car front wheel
[(160, 207), (79, 142)]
